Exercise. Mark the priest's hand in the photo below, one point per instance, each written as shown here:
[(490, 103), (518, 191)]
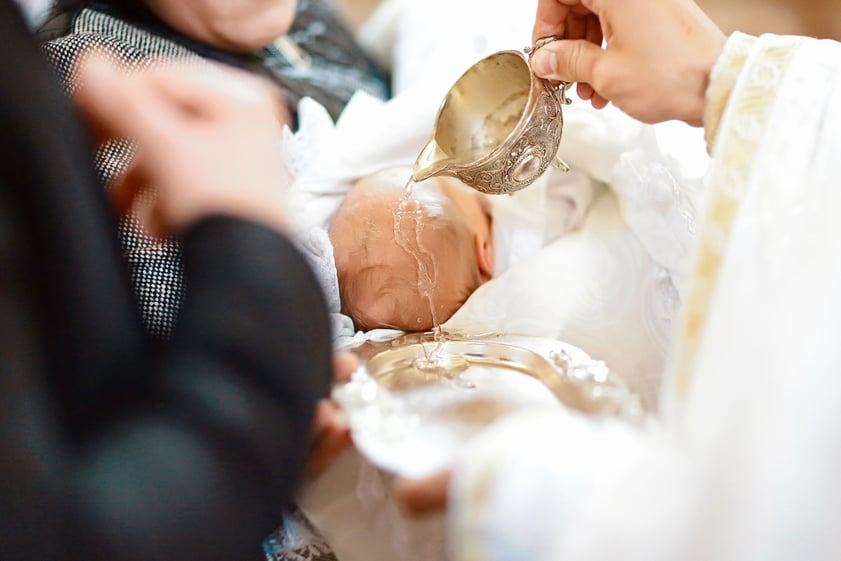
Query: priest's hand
[(656, 59)]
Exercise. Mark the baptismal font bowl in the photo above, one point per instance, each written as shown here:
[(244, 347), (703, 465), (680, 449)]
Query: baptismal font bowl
[(414, 401)]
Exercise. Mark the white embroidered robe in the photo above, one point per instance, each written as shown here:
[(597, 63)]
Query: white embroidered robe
[(746, 461)]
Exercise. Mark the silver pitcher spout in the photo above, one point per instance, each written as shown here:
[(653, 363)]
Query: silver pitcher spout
[(431, 161), (498, 128)]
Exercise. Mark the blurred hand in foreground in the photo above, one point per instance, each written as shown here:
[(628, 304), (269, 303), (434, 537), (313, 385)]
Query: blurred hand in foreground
[(331, 434), (207, 140)]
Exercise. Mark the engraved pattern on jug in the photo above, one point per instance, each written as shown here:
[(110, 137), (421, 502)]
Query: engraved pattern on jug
[(528, 158)]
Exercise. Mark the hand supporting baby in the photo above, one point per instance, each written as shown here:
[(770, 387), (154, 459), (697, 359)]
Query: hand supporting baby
[(331, 433)]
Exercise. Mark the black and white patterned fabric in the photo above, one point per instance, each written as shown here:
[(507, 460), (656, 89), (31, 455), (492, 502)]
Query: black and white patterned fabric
[(335, 67), (297, 540)]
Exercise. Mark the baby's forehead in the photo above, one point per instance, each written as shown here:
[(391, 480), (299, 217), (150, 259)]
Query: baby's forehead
[(385, 280), (391, 294)]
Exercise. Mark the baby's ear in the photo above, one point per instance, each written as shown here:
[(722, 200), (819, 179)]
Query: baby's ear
[(483, 245)]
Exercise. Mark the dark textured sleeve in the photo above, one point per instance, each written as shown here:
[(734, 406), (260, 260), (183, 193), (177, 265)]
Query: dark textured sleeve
[(206, 467)]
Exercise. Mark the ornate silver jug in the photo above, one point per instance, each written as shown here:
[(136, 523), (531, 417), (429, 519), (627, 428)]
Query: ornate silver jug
[(499, 126)]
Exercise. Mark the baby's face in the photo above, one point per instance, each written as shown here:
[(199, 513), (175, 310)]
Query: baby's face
[(395, 269)]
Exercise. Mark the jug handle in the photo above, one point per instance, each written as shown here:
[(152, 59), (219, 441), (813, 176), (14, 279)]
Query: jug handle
[(561, 88), (560, 164), (562, 93)]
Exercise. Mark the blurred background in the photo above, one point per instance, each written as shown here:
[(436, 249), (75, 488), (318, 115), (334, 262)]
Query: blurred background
[(814, 18)]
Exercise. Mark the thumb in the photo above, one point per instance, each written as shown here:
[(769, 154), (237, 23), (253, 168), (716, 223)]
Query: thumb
[(567, 60)]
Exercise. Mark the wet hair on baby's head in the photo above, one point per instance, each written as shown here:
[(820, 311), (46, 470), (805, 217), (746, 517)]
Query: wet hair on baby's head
[(385, 284), (388, 258)]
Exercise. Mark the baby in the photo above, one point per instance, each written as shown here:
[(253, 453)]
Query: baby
[(443, 241), (395, 267)]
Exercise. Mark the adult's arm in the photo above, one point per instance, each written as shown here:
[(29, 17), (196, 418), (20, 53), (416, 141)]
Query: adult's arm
[(111, 451), (251, 354), (204, 466)]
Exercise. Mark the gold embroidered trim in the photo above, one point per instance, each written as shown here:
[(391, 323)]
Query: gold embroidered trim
[(722, 79), (743, 126)]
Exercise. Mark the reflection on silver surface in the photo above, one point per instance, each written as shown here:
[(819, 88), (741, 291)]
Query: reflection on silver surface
[(498, 128), (412, 420)]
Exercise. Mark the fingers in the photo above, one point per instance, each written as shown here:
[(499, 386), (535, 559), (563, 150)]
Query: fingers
[(125, 188), (344, 365), (132, 193), (331, 437), (424, 496), (598, 101), (567, 61), (331, 433), (550, 19), (586, 92), (328, 416), (593, 32), (576, 26), (568, 19)]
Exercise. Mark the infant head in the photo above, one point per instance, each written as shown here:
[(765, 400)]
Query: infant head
[(395, 264)]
